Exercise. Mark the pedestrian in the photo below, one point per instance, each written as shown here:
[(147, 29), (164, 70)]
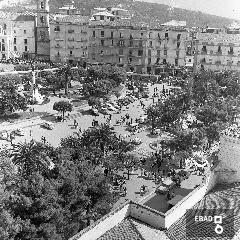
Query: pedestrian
[(131, 120), (30, 133), (80, 130), (110, 116)]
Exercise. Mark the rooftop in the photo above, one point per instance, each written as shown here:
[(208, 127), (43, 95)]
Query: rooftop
[(70, 18), (105, 13), (219, 37), (132, 229)]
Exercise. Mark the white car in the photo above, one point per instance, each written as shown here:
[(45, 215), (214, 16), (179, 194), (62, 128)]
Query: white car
[(18, 132), (47, 125), (111, 108), (136, 141)]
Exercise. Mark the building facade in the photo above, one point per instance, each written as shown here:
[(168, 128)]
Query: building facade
[(217, 51), (69, 39), (165, 46), (24, 41), (118, 42), (43, 30)]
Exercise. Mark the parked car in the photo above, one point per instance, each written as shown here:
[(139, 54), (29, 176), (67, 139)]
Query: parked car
[(136, 141), (103, 111), (18, 132), (111, 108), (47, 125), (94, 112)]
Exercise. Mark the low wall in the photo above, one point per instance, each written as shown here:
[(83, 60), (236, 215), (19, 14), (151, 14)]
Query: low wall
[(147, 215), (190, 200), (104, 224)]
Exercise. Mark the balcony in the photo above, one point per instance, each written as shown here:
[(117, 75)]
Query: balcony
[(230, 52), (70, 31), (56, 30), (70, 39)]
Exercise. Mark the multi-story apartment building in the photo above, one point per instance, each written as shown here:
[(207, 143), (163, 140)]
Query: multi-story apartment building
[(69, 39), (24, 39), (137, 46), (121, 42), (17, 35), (217, 51), (165, 46)]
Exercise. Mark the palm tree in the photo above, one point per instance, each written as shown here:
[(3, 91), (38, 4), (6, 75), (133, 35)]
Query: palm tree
[(66, 71), (31, 157)]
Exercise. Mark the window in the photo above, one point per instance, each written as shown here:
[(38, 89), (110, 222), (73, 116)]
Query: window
[(25, 41), (42, 35), (14, 31), (121, 43), (111, 34), (130, 60), (141, 35), (57, 29), (149, 52), (120, 60), (130, 37), (42, 19), (158, 53), (204, 49), (165, 52), (24, 31), (93, 56), (140, 53), (42, 5), (166, 35), (149, 60), (70, 52), (176, 62), (140, 43), (3, 47), (102, 33), (102, 42), (130, 52), (26, 48), (219, 49), (150, 44), (15, 48), (101, 17), (120, 51), (178, 44), (14, 41), (3, 41), (93, 34), (4, 26), (120, 34), (130, 43), (112, 43), (178, 36), (230, 51), (164, 61)]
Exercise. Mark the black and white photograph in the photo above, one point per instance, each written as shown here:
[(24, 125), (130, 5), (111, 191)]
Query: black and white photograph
[(119, 120)]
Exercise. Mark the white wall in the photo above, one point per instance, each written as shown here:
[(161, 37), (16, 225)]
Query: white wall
[(104, 224), (190, 200), (228, 168), (147, 215)]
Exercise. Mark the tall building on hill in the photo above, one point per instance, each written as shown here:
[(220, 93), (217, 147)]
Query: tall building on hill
[(43, 30)]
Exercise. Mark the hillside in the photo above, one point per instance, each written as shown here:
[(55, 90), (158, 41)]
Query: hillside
[(141, 10)]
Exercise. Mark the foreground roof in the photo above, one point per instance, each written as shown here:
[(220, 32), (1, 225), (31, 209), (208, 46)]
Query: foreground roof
[(221, 197), (132, 229)]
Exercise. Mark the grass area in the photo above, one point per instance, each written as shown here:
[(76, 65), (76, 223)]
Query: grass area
[(20, 116)]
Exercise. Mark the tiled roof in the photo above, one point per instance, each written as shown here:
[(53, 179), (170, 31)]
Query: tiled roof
[(220, 37), (132, 229), (120, 23), (70, 18), (221, 197), (26, 16)]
